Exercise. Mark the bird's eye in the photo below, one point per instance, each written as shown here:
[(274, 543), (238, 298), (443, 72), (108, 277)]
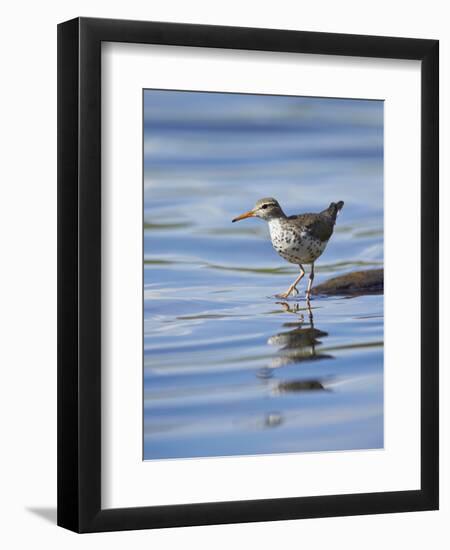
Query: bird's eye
[(264, 206)]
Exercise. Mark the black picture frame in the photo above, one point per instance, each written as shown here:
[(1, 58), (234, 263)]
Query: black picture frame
[(79, 274)]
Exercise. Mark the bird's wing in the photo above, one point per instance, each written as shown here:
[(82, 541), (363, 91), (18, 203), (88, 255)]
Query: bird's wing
[(316, 225)]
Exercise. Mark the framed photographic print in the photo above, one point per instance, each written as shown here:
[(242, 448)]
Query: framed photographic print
[(248, 274)]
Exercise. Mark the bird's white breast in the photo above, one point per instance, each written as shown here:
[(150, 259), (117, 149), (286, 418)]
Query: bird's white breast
[(294, 246), (276, 233)]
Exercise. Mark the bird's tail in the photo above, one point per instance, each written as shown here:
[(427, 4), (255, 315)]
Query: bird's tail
[(334, 209)]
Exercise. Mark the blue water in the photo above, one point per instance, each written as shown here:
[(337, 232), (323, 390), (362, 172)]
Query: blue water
[(228, 368)]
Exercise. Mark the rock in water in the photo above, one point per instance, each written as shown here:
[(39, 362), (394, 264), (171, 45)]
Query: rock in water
[(354, 283)]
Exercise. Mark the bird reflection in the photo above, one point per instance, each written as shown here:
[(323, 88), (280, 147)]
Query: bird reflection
[(296, 345), (301, 342)]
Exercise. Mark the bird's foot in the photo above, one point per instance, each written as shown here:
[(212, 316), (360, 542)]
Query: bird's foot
[(289, 291)]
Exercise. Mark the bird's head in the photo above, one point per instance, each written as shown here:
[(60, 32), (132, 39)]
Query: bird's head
[(267, 209)]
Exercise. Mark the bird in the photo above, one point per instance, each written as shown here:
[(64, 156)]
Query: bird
[(299, 239)]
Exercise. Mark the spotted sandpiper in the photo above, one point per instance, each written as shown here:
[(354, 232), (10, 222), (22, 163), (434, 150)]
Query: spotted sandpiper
[(298, 239)]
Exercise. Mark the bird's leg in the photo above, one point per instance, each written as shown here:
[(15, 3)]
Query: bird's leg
[(310, 282), (293, 285)]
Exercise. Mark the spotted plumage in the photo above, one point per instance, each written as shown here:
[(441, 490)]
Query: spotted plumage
[(298, 239), (295, 243)]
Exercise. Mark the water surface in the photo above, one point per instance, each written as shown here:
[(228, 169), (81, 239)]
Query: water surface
[(228, 368)]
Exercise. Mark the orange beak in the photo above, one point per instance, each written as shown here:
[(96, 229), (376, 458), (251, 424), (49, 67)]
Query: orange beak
[(248, 214)]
